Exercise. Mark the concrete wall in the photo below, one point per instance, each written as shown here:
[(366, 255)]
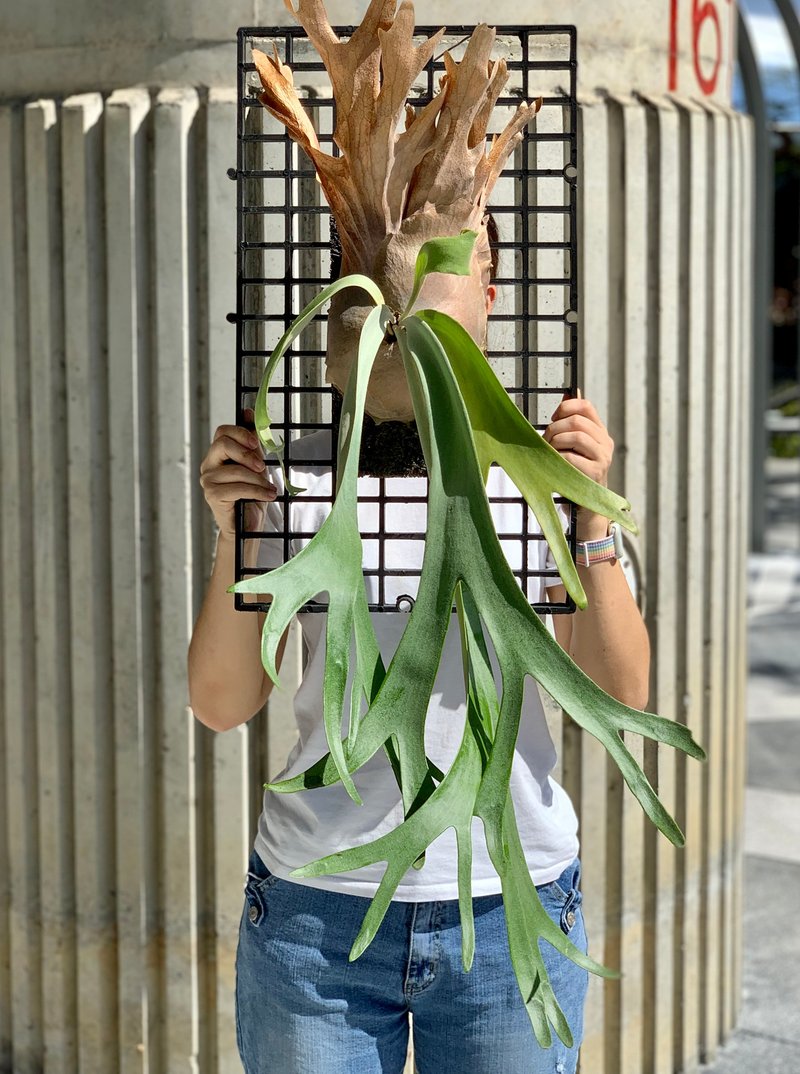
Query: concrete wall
[(683, 46), (124, 823), (666, 241)]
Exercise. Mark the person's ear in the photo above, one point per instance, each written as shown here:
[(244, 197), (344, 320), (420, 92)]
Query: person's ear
[(491, 295)]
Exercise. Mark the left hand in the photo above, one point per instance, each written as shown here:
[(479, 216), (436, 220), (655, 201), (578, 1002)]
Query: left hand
[(577, 432)]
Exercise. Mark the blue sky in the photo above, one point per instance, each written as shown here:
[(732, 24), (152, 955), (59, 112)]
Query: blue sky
[(776, 59)]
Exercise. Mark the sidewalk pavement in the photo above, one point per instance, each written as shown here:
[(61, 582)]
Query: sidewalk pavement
[(767, 1038)]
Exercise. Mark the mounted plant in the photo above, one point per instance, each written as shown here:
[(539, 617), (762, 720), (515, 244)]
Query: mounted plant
[(410, 212)]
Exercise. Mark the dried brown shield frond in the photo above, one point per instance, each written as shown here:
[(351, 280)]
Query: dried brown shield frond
[(404, 175)]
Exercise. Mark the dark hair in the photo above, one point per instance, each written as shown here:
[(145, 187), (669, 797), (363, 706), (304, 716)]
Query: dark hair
[(336, 250), (494, 237), (336, 246)]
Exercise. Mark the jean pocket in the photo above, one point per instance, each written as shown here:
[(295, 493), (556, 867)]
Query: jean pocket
[(562, 898), (257, 882), (257, 873)]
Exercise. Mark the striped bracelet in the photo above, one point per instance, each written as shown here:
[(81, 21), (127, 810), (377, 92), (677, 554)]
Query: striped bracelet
[(609, 547)]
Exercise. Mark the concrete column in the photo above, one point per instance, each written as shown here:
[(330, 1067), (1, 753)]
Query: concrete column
[(125, 824)]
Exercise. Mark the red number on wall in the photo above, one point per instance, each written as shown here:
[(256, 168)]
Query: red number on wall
[(700, 15), (673, 46), (702, 11)]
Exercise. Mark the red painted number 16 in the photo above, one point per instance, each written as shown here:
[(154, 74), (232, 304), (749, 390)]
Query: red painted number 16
[(702, 12)]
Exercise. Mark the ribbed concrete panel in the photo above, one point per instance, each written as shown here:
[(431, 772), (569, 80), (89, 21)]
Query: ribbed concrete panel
[(46, 477), (125, 823), (21, 958), (694, 544), (661, 188), (229, 752), (174, 327), (740, 247), (89, 575), (740, 527), (9, 543), (125, 119), (662, 564), (625, 883), (585, 760), (712, 979)]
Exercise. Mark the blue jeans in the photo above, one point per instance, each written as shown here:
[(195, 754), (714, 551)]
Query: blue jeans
[(303, 1008)]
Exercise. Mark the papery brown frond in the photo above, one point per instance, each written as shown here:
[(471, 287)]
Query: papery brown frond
[(501, 147), (498, 76), (405, 174), (280, 97), (446, 173)]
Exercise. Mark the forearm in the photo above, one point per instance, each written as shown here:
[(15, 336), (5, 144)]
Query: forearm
[(609, 638), (226, 678)]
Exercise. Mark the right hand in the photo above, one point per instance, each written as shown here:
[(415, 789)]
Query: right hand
[(232, 470)]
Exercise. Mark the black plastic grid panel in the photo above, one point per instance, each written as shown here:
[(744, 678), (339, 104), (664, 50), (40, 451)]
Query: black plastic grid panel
[(283, 259)]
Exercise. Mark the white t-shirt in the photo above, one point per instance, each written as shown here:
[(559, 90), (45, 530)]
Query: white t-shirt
[(297, 828)]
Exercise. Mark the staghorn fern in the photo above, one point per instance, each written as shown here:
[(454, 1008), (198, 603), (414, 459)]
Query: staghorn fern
[(466, 421)]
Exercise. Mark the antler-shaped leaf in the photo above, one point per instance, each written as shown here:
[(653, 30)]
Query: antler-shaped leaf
[(463, 560), (263, 423), (452, 805), (461, 545), (526, 918), (331, 563), (522, 643), (462, 548), (502, 434)]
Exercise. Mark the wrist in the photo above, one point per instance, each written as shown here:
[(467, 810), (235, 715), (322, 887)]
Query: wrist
[(225, 540), (591, 527)]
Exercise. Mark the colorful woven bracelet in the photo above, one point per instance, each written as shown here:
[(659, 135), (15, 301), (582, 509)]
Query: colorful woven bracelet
[(610, 547)]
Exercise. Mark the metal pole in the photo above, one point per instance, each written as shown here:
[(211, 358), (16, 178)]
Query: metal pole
[(792, 22), (763, 283)]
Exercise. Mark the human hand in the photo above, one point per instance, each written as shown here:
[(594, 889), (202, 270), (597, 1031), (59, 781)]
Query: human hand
[(234, 469), (577, 432)]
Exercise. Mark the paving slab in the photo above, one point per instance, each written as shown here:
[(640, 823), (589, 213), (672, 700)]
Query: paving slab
[(767, 1038), (773, 755), (754, 1054)]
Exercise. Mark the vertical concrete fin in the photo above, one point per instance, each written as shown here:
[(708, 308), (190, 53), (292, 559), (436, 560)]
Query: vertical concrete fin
[(588, 768), (126, 119), (174, 226), (89, 575), (21, 938), (45, 506), (228, 788)]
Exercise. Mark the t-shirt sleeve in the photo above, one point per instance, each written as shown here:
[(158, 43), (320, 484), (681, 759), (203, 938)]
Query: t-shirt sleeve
[(272, 546), (563, 510)]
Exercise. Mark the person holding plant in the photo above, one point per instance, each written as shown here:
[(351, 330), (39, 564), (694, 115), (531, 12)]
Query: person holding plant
[(429, 891), (301, 1004)]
